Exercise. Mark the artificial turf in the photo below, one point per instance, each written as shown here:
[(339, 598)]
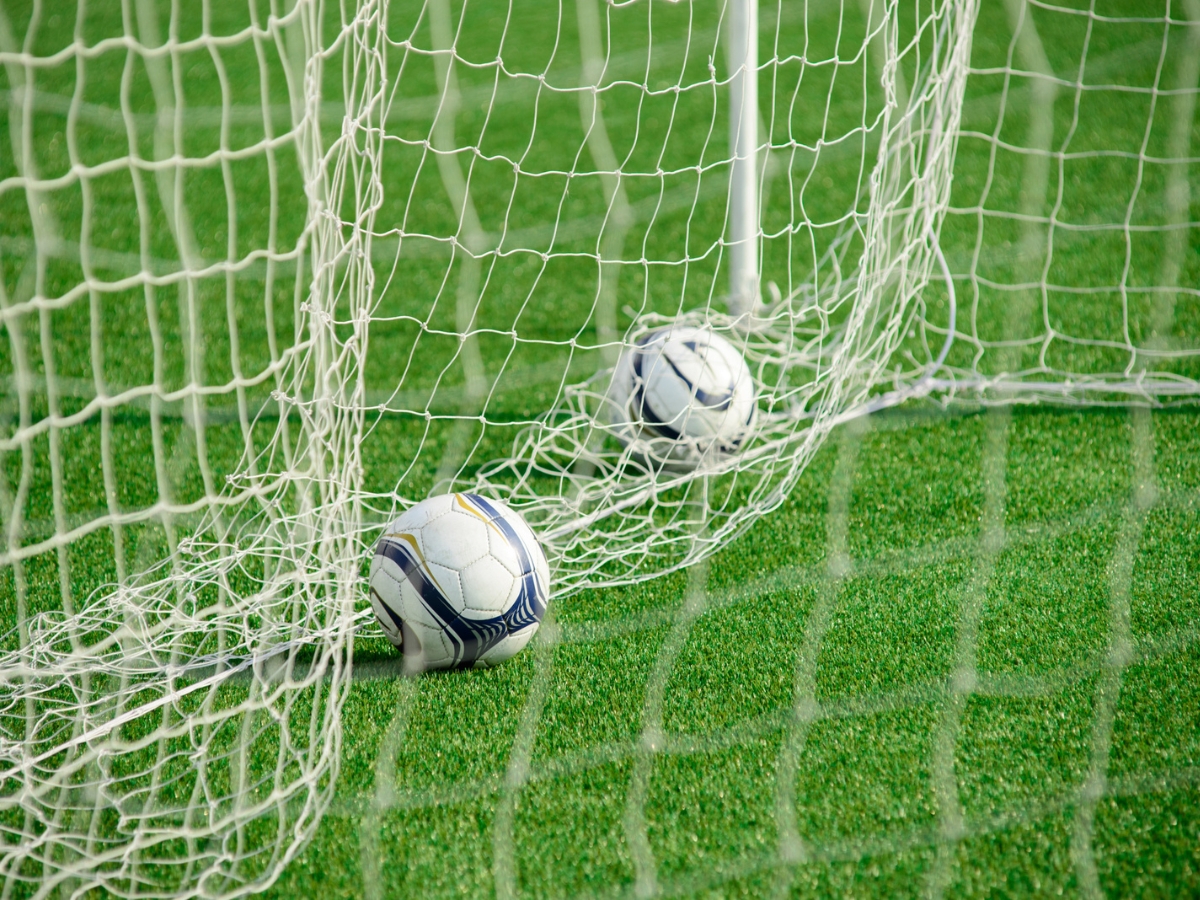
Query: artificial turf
[(962, 658), (865, 800)]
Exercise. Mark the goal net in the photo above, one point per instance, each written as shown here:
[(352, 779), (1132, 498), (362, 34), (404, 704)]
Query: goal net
[(270, 274)]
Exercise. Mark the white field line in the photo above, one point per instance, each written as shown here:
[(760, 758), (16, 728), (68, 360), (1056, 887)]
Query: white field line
[(964, 680), (370, 852), (651, 741), (516, 776)]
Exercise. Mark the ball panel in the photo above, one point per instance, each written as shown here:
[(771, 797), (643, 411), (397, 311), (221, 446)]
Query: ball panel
[(420, 514), (454, 541), (487, 586), (525, 533), (436, 651), (384, 565), (416, 610), (446, 580), (700, 369), (509, 647), (421, 590)]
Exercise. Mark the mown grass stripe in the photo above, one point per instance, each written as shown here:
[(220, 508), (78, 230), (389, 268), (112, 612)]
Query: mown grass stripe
[(911, 697)]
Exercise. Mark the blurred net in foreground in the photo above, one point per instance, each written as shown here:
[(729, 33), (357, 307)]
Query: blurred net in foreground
[(248, 248)]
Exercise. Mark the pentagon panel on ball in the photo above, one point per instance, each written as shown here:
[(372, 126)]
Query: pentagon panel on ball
[(459, 581), (681, 394)]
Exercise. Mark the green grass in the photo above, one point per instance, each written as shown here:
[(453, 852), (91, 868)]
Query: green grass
[(861, 602), (867, 807)]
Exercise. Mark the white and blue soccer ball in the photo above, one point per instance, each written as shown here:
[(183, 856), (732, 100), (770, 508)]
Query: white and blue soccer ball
[(459, 581), (681, 394)]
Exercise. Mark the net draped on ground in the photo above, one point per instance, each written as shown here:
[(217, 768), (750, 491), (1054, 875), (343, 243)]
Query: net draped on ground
[(484, 231)]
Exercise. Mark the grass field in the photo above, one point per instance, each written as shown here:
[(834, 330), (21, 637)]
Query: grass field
[(961, 660), (963, 656)]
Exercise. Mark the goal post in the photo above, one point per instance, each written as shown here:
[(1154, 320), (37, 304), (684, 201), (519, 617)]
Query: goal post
[(272, 272), (744, 187)]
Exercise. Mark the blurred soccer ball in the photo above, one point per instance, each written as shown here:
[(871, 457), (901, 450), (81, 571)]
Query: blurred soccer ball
[(459, 581), (682, 393)]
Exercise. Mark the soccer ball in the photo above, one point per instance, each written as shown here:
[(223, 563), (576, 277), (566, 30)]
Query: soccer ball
[(682, 393), (459, 581)]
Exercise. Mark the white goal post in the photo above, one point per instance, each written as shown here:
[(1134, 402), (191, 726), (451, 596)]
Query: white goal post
[(272, 272), (744, 225)]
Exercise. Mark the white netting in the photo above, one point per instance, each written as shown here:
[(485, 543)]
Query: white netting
[(1072, 218), (344, 258), (176, 732), (652, 206)]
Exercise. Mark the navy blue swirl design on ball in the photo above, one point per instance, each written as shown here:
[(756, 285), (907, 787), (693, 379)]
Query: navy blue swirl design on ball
[(646, 412), (469, 638), (530, 605)]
